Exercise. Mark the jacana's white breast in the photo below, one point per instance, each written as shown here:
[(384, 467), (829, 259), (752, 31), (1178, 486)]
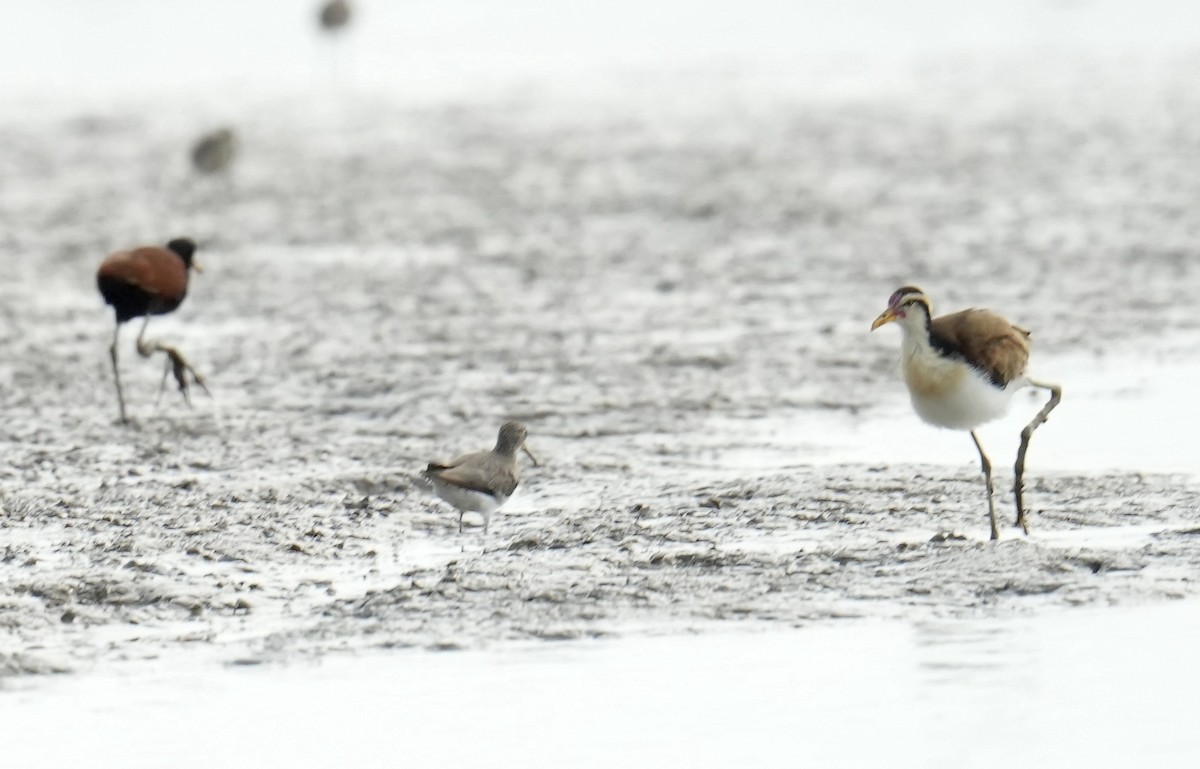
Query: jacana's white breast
[(950, 393)]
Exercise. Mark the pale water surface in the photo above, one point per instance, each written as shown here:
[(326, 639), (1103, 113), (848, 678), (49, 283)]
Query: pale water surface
[(1116, 414), (1105, 688)]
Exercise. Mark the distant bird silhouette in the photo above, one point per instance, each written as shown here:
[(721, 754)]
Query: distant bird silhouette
[(335, 15), (146, 281), (214, 152)]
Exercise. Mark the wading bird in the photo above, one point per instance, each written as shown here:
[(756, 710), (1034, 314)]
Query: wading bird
[(147, 281), (962, 370), (483, 481)]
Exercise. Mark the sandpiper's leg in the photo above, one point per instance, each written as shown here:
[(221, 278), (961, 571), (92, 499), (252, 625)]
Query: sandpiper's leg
[(487, 518), (460, 517), (112, 352), (1026, 434), (986, 465), (179, 365)]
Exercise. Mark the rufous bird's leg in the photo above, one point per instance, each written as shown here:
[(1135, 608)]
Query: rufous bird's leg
[(162, 385), (1026, 434), (986, 466), (112, 352), (178, 364)]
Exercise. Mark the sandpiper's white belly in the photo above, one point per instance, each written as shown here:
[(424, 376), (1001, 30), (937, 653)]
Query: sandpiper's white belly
[(948, 393), (468, 500)]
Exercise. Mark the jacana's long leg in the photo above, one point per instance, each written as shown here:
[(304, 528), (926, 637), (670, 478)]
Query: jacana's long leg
[(986, 465), (162, 385), (142, 333), (112, 351), (179, 365), (1026, 434)]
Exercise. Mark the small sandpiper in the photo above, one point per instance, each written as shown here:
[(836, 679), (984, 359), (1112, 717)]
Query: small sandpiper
[(962, 370), (483, 481)]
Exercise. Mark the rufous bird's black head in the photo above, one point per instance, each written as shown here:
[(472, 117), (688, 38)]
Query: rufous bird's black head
[(186, 248)]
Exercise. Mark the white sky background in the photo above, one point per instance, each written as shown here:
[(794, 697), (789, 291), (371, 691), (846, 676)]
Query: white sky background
[(90, 47)]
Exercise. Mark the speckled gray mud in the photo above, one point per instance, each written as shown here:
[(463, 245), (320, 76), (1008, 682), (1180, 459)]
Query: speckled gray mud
[(385, 285), (129, 568)]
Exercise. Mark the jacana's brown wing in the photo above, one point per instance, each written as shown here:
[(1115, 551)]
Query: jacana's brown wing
[(986, 340)]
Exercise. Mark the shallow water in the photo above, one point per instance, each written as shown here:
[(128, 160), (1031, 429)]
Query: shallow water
[(1088, 687), (1118, 414)]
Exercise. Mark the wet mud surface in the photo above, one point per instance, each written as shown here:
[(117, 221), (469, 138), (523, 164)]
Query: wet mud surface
[(640, 279)]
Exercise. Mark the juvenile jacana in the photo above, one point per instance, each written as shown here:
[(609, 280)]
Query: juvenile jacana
[(143, 282), (483, 481), (962, 370)]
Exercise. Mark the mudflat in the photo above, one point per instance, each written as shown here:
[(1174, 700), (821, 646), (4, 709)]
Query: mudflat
[(649, 279)]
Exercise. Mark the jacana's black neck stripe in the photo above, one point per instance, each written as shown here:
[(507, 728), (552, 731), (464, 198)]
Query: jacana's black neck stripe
[(940, 344), (948, 349)]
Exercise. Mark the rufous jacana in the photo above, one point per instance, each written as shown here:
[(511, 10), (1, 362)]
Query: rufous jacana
[(143, 282)]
